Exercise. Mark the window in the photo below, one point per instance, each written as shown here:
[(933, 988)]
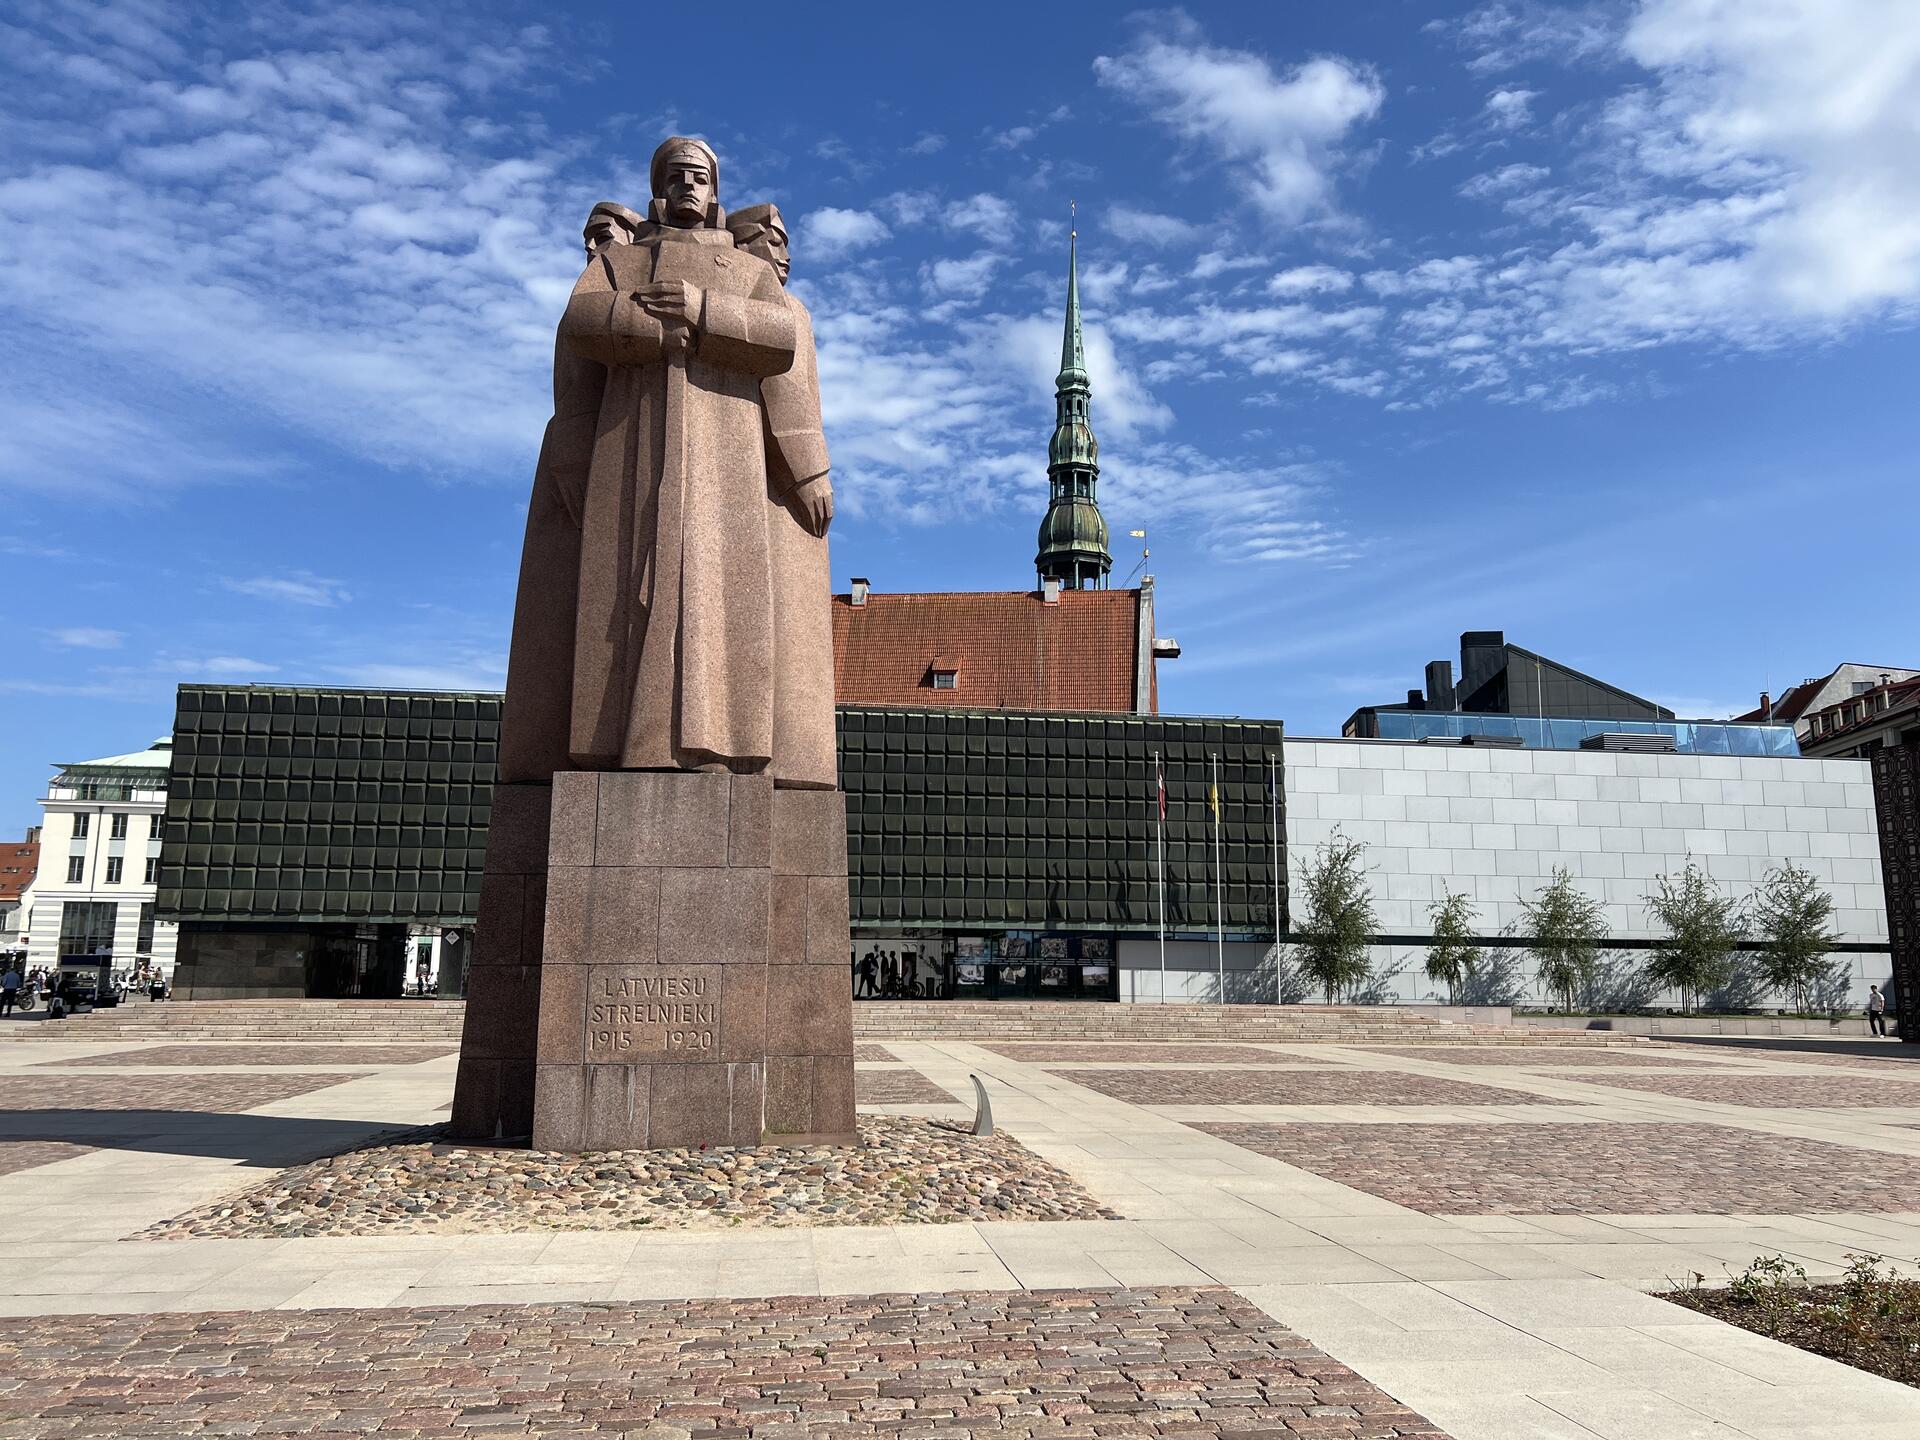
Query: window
[(144, 945), (76, 869), (152, 877), (114, 868), (159, 830), (119, 831), (81, 824), (945, 680), (86, 928)]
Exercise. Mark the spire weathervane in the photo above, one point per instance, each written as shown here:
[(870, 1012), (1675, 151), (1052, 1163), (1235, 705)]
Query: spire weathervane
[(1073, 536)]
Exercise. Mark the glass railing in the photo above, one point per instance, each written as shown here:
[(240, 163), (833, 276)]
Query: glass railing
[(1690, 737)]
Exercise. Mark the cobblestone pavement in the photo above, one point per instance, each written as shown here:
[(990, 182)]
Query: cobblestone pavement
[(1293, 1087), (1544, 1057), (17, 1155), (293, 1056), (1159, 1362), (875, 1052), (1780, 1092), (900, 1086), (1599, 1169), (901, 1170), (1038, 1053), (205, 1094), (1899, 1059)]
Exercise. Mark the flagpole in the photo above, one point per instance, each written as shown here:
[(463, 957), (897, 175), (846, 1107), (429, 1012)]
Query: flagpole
[(1219, 888), (1273, 794), (1160, 855)]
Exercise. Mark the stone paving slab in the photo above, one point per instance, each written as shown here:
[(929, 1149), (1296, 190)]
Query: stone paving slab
[(1605, 1168), (900, 1086), (1038, 1053), (295, 1056), (207, 1094), (1293, 1087), (878, 1053), (1778, 1092), (1543, 1057), (18, 1155), (1148, 1362)]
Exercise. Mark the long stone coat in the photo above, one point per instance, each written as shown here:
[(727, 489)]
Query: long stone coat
[(674, 641)]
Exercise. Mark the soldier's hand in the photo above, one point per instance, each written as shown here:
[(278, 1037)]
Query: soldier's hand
[(669, 299), (813, 505)]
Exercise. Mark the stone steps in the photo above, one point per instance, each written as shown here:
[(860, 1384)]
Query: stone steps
[(272, 1021)]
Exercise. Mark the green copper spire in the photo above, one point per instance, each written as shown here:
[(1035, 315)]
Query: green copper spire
[(1073, 536), (1073, 354)]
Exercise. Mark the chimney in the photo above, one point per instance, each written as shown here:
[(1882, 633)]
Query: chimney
[(860, 587), (1050, 591), (1439, 685), (1482, 652), (1415, 700), (1766, 705)]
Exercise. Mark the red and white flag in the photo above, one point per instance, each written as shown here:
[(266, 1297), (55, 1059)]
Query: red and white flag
[(1160, 783)]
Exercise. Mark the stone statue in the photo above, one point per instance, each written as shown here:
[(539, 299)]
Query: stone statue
[(659, 958), (533, 741), (800, 508)]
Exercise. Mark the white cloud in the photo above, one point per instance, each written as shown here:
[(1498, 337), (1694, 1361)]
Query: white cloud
[(1283, 129), (829, 231), (983, 216), (296, 587), (964, 278), (928, 144), (226, 667), (1515, 32), (1509, 109), (1309, 280), (84, 637)]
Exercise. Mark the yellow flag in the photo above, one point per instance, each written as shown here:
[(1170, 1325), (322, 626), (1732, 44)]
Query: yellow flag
[(1213, 799)]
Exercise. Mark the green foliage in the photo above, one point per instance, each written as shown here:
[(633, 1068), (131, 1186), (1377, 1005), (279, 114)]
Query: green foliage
[(1869, 1320), (1452, 956), (1336, 920), (1704, 927), (1793, 920), (1569, 930), (1499, 979)]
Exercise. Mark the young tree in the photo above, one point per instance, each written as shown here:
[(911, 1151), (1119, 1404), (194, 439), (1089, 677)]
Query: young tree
[(1792, 917), (1704, 927), (1569, 930), (1452, 956), (1336, 920)]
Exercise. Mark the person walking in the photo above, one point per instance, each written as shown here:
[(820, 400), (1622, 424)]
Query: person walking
[(1876, 1012), (9, 990)]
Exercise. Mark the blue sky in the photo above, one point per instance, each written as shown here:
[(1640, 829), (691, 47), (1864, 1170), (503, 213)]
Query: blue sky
[(1593, 323)]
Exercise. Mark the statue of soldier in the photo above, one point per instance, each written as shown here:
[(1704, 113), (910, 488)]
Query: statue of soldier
[(799, 510), (533, 731)]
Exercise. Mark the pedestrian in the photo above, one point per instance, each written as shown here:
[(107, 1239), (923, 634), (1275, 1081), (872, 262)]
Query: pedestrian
[(867, 969), (1876, 1012), (9, 989)]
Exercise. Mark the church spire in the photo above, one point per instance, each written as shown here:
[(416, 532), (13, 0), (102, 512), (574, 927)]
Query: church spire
[(1073, 535)]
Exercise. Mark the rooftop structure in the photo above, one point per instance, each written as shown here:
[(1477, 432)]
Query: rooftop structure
[(1050, 649), (1800, 702), (1073, 534)]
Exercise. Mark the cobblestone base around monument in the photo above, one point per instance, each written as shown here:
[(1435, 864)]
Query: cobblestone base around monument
[(910, 1171), (1602, 1168), (1162, 1362)]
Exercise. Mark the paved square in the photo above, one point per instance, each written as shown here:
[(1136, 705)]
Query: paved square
[(875, 1052), (1596, 1169), (1544, 1057), (291, 1056), (1160, 1362), (206, 1094), (1778, 1092), (900, 1086), (1038, 1053), (18, 1155), (1292, 1087)]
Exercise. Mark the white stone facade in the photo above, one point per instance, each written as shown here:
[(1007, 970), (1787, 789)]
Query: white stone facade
[(1494, 823)]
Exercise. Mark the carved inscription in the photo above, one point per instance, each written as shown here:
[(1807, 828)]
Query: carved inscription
[(649, 1012)]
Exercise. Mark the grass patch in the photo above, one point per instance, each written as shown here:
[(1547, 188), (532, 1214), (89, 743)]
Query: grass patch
[(1870, 1319)]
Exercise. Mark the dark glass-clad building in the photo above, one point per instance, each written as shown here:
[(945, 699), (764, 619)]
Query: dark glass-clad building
[(993, 852)]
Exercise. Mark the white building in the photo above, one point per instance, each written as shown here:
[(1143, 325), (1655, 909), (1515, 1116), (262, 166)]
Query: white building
[(1495, 823), (99, 864)]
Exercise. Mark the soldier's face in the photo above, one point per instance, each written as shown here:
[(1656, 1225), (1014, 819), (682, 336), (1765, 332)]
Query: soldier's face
[(771, 245), (604, 230), (688, 192)]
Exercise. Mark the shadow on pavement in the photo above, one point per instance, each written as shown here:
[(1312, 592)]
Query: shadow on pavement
[(270, 1141), (1877, 1049)]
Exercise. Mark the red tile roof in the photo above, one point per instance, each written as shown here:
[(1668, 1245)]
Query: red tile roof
[(19, 859), (1010, 649)]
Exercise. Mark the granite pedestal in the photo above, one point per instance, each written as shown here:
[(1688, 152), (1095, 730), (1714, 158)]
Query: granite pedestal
[(692, 970)]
